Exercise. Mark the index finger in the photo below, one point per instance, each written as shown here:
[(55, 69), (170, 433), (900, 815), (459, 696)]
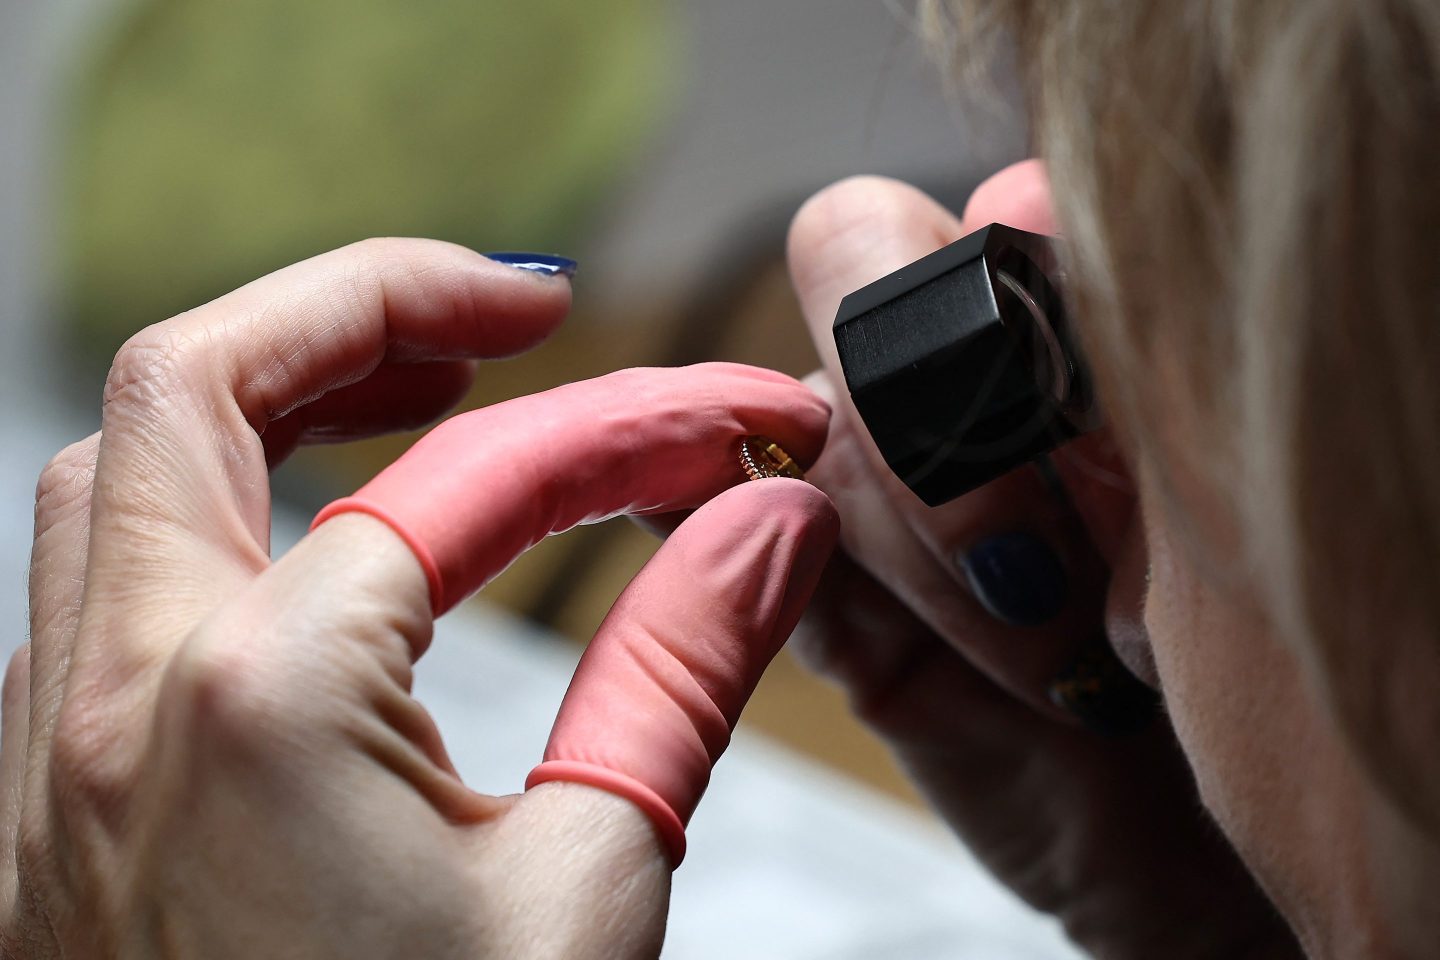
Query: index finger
[(1018, 196), (181, 495)]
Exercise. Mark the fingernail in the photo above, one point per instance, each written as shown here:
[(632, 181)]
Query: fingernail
[(1017, 577), (545, 264), (1098, 691)]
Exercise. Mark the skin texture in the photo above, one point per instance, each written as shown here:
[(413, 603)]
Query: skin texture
[(1106, 833), (1270, 763), (207, 754)]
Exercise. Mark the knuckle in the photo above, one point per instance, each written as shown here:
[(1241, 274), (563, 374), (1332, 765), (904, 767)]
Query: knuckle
[(419, 270), (17, 674), (147, 366), (87, 774), (64, 481), (216, 690), (411, 258), (369, 265), (377, 250), (360, 273)]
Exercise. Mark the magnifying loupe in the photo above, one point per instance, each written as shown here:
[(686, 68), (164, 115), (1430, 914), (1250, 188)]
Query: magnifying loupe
[(963, 365)]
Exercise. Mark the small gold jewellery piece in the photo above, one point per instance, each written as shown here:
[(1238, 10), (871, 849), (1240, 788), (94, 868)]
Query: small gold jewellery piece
[(762, 457)]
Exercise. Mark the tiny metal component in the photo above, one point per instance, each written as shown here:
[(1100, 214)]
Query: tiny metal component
[(963, 364), (761, 457)]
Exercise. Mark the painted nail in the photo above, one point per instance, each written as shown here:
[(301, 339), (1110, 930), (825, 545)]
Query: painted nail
[(545, 264), (1098, 691), (1017, 577)]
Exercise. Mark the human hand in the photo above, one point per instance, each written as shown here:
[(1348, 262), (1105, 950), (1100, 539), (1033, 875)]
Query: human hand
[(971, 636), (207, 754)]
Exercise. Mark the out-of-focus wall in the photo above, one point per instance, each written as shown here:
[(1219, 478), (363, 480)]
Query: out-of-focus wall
[(209, 142), (780, 98)]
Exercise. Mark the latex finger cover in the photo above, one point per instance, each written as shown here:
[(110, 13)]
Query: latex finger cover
[(483, 487), (661, 686)]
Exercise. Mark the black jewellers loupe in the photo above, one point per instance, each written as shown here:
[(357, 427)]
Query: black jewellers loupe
[(963, 365)]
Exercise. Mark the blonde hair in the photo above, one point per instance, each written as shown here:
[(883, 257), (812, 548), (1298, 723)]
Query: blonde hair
[(1250, 191)]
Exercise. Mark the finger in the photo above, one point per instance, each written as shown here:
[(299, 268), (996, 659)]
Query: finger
[(867, 227), (844, 238), (483, 487), (62, 537), (1091, 467), (56, 584), (1023, 660), (394, 399), (1018, 196), (582, 865), (289, 713), (182, 501), (1063, 666), (14, 735), (965, 742), (1099, 485), (310, 663), (902, 679), (661, 686)]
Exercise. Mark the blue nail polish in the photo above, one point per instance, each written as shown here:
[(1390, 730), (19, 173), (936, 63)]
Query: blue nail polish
[(1017, 577), (545, 264)]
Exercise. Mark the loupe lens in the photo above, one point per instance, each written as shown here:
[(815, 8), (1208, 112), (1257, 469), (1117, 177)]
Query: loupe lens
[(962, 364)]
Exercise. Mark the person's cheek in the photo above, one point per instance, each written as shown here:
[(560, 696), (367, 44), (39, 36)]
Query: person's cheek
[(1221, 686), (1267, 764), (1185, 660)]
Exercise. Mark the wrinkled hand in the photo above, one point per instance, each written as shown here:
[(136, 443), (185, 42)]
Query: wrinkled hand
[(206, 754), (967, 636)]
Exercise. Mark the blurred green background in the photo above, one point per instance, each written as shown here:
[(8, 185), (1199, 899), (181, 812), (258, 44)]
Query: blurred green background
[(214, 140)]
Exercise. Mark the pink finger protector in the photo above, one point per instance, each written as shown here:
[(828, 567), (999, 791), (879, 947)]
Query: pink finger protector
[(485, 486), (660, 688), (651, 708)]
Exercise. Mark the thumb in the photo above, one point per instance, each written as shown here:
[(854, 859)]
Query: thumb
[(661, 686)]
